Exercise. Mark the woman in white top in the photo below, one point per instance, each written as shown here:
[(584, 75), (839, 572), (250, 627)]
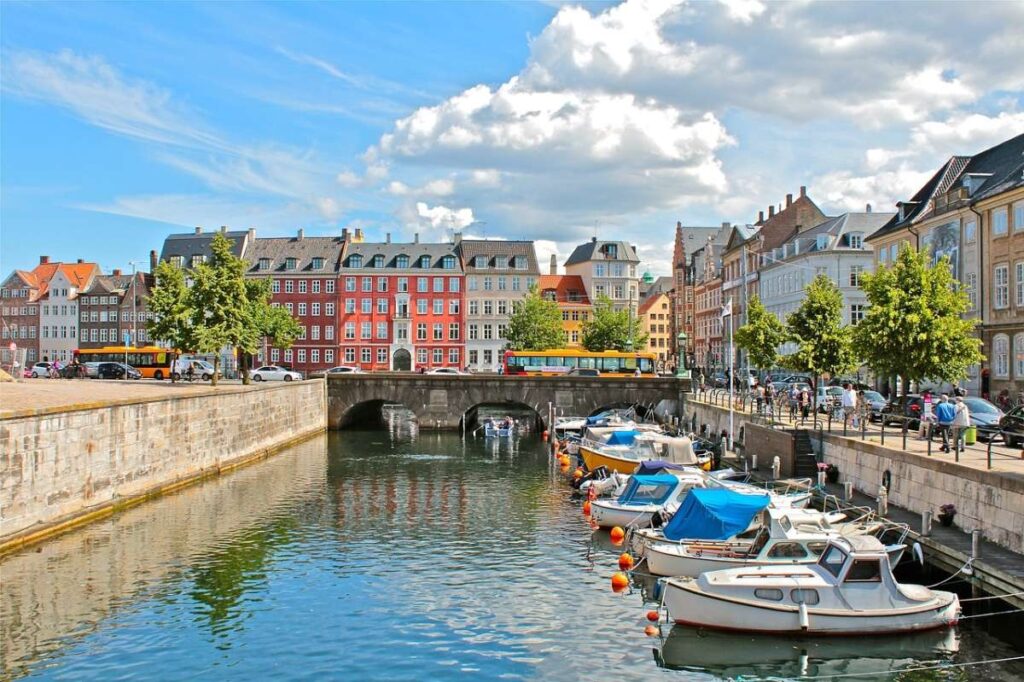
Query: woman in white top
[(961, 420)]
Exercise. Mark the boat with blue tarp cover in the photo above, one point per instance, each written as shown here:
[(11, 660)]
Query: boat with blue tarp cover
[(715, 514), (645, 496)]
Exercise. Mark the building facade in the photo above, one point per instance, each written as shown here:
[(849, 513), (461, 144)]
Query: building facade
[(19, 307), (571, 296), (58, 310), (607, 269), (707, 296), (656, 320), (499, 274), (112, 306)]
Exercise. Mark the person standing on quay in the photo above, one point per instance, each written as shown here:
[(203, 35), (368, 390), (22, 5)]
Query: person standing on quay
[(849, 405), (944, 415), (926, 416), (961, 420)]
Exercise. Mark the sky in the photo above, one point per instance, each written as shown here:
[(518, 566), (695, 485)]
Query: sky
[(123, 122)]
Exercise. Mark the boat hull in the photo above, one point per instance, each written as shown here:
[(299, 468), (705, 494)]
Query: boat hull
[(609, 515), (594, 459), (687, 604), (663, 561)]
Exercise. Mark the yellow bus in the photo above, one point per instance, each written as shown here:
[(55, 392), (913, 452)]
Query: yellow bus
[(561, 360), (152, 361)]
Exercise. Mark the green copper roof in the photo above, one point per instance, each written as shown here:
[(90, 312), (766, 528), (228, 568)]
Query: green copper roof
[(648, 278)]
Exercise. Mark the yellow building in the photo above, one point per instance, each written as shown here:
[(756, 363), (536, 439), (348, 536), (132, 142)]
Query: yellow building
[(571, 296), (656, 319)]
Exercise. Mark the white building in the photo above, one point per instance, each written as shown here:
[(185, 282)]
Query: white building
[(58, 310), (834, 248), (607, 269)]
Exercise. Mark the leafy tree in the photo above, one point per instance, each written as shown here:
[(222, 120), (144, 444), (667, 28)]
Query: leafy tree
[(272, 323), (761, 336), (913, 327), (169, 302), (610, 329), (824, 343), (221, 315), (535, 324)]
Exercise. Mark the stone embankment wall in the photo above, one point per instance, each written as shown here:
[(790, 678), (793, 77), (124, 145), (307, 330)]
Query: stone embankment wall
[(63, 467)]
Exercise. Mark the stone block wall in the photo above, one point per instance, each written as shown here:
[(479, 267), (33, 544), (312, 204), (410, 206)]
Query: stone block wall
[(59, 465)]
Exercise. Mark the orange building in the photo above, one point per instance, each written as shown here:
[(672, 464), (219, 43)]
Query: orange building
[(571, 296), (656, 319)]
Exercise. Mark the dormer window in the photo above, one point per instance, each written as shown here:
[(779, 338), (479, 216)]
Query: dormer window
[(291, 263), (177, 261), (264, 264), (318, 263), (549, 295), (855, 240), (355, 261), (197, 260), (402, 261), (378, 261), (448, 262), (424, 261), (501, 262), (480, 262), (610, 251), (520, 262), (821, 242)]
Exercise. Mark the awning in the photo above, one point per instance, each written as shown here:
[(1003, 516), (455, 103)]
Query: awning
[(714, 514)]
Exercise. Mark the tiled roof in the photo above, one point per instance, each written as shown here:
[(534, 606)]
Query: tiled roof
[(567, 288), (391, 250), (803, 213), (79, 274), (470, 249), (651, 299), (274, 253), (192, 244), (591, 250)]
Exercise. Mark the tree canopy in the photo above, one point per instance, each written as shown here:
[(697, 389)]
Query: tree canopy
[(168, 302), (535, 324), (761, 336), (824, 343), (913, 326), (610, 329)]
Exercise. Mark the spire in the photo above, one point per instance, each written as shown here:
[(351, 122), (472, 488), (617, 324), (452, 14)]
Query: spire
[(679, 251)]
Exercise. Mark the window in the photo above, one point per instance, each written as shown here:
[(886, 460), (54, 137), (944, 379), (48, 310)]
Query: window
[(474, 331), (364, 355), (377, 261), (894, 252), (303, 284), (302, 332), (970, 231), (302, 309), (1019, 282), (275, 355), (519, 262), (382, 330), (809, 597), (453, 285), (488, 308), (438, 285), (367, 284), (488, 332), (856, 240), (488, 284), (421, 306), (453, 331), (289, 286), (366, 306), (402, 261), (329, 286), (502, 307), (382, 356), (787, 550), (769, 593), (314, 332), (329, 356), (350, 330), (517, 281), (315, 308), (1001, 278), (318, 263), (421, 356), (290, 263), (857, 313), (855, 272), (350, 284), (480, 262), (448, 262), (421, 285), (474, 308), (424, 261), (290, 307), (364, 330), (275, 286), (350, 355), (355, 261), (382, 284), (197, 260), (599, 270), (403, 284), (301, 355), (453, 306), (864, 571), (971, 287), (438, 306), (999, 219), (833, 560), (382, 306), (620, 291), (329, 332), (502, 282), (1018, 356), (1001, 356), (473, 357), (350, 306), (314, 356), (421, 331), (438, 332), (438, 355)]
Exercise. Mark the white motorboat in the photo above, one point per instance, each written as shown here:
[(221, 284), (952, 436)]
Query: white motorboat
[(849, 591), (788, 538), (645, 495)]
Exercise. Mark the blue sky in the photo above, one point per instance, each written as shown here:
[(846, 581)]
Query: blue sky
[(122, 122)]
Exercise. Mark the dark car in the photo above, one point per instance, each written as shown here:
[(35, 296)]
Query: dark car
[(1012, 426), (874, 401), (798, 379), (116, 370), (904, 408)]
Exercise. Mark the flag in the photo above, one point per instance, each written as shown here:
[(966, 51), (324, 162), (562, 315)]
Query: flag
[(727, 308)]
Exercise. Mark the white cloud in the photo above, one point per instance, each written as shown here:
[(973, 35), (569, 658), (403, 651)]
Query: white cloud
[(848, 191), (744, 11), (439, 220), (347, 178), (968, 133)]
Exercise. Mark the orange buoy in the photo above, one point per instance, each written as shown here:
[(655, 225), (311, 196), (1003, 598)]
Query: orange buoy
[(653, 616), (544, 436), (578, 473), (651, 631), (625, 561), (586, 508), (617, 534), (620, 581)]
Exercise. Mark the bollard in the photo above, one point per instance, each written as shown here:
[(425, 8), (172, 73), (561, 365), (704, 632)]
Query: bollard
[(776, 467), (926, 522), (848, 490), (753, 462), (883, 501), (821, 479), (746, 466), (975, 544)]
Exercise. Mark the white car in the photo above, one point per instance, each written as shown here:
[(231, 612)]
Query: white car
[(41, 369), (344, 369), (275, 373), (443, 370)]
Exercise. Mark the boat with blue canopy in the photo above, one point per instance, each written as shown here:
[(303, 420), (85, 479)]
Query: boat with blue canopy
[(645, 496)]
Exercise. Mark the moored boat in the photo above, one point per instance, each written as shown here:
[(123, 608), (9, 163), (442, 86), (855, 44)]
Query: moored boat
[(849, 591), (622, 451), (645, 495)]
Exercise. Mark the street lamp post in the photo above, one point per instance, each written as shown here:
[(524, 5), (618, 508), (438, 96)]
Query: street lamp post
[(681, 371)]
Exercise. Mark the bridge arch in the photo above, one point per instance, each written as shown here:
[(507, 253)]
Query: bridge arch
[(372, 414), (474, 415)]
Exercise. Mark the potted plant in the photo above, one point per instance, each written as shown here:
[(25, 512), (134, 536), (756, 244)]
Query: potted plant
[(946, 514), (831, 472)]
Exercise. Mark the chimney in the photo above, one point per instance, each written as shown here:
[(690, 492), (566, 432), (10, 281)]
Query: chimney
[(387, 238), (457, 238), (223, 229), (416, 238), (789, 200), (152, 261), (344, 234), (199, 230), (554, 265), (80, 261), (679, 225), (593, 239), (252, 234), (803, 190), (301, 234), (726, 224), (867, 209), (771, 211), (43, 260), (359, 234), (117, 272)]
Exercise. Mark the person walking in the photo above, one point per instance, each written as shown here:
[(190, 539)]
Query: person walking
[(805, 404), (769, 398), (794, 402), (927, 416), (944, 415), (961, 422), (849, 405)]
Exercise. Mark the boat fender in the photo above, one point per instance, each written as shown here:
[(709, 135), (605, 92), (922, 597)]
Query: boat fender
[(918, 553), (887, 479), (804, 618), (659, 587)]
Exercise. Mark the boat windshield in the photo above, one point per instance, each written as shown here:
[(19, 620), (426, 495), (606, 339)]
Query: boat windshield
[(833, 560)]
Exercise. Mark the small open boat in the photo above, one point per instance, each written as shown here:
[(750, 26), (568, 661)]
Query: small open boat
[(645, 495), (499, 428), (849, 591)]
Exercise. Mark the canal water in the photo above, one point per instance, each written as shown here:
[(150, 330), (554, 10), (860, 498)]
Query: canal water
[(391, 555)]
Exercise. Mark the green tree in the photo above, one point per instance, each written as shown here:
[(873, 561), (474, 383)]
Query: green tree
[(761, 336), (824, 343), (535, 324), (610, 329), (275, 324), (221, 315), (913, 327), (169, 302)]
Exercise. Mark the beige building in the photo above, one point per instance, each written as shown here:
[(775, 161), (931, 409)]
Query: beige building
[(607, 269), (656, 319)]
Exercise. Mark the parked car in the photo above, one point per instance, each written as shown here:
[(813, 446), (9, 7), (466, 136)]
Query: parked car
[(1012, 426), (41, 369), (984, 415), (905, 407), (826, 396), (583, 372), (798, 379), (717, 380), (116, 370), (201, 369), (275, 373), (91, 369), (875, 402), (344, 369), (443, 370)]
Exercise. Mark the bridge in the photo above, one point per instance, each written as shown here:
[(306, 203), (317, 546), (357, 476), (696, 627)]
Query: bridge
[(442, 401)]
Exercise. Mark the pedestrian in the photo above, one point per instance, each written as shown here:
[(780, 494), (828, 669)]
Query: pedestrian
[(960, 392), (759, 396), (769, 398), (927, 416), (794, 401), (805, 404), (944, 415), (700, 381), (849, 400), (961, 421)]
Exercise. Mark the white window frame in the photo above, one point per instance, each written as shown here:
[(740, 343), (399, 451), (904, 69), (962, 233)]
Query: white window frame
[(1001, 356), (1000, 221), (1001, 287)]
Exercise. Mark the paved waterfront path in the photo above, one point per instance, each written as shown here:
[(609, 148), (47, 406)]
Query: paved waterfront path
[(53, 394)]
